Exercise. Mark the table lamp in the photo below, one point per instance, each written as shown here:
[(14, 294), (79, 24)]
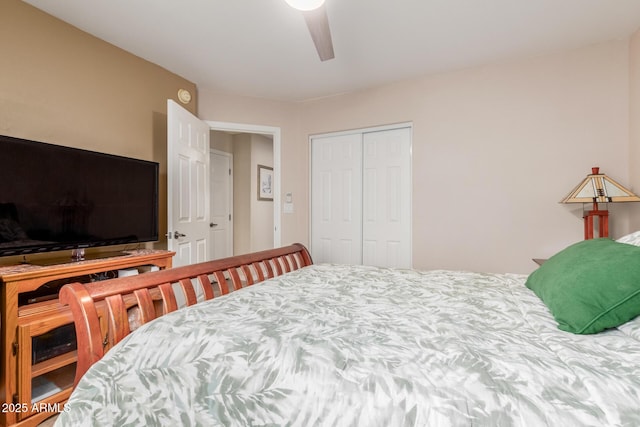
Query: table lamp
[(598, 188)]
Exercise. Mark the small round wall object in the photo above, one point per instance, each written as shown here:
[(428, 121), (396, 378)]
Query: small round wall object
[(184, 96)]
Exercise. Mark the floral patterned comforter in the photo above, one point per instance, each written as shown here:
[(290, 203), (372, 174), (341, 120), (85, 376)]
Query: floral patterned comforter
[(332, 345)]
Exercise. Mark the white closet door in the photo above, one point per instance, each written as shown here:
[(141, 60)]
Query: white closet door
[(361, 198), (336, 199), (386, 216)]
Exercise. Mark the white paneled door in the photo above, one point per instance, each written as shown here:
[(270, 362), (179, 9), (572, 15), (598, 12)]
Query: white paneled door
[(386, 198), (221, 205), (188, 186), (361, 197), (336, 193)]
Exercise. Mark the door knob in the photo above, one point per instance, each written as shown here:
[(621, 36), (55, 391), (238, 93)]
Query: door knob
[(177, 235), (212, 224)]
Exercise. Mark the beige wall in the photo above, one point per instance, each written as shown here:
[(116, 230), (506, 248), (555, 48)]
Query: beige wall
[(294, 157), (253, 218), (221, 141), (496, 147), (634, 125), (63, 86), (242, 194), (261, 210), (494, 150)]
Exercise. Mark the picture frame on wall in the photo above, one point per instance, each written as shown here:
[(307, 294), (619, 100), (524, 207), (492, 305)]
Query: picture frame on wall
[(265, 183)]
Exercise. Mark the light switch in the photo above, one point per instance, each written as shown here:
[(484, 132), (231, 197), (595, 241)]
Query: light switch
[(288, 208)]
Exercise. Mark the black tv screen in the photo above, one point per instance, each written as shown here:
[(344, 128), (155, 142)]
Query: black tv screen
[(56, 198)]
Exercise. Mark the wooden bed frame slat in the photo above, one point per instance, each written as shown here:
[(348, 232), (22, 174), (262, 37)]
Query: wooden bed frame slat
[(278, 267), (105, 312), (248, 274), (169, 302), (145, 304), (117, 318), (189, 293), (259, 271), (235, 278), (284, 260), (205, 283), (267, 264), (221, 282)]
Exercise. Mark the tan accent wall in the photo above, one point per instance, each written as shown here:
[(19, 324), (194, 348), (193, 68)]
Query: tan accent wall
[(60, 85)]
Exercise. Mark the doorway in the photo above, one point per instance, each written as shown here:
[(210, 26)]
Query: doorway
[(189, 223), (241, 219), (255, 221)]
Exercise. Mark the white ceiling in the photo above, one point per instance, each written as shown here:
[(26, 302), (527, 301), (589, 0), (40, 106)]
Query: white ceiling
[(262, 48)]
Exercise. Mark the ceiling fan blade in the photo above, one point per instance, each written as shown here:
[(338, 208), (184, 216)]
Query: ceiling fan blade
[(318, 24)]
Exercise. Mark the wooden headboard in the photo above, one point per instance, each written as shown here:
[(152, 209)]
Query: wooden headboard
[(105, 312)]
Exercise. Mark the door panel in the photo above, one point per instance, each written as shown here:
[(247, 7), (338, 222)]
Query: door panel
[(188, 186), (386, 224), (336, 177), (221, 203)]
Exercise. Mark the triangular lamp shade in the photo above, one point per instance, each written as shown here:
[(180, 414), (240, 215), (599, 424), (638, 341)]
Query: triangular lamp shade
[(599, 188)]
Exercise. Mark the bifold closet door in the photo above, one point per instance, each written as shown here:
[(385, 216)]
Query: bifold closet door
[(361, 198), (386, 198), (336, 199)]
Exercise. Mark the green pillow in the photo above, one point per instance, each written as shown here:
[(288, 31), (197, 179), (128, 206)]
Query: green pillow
[(591, 285)]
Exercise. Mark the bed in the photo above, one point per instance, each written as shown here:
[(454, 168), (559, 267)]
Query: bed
[(339, 345)]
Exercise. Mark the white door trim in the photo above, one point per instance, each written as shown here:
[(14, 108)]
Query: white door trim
[(275, 132), (363, 130)]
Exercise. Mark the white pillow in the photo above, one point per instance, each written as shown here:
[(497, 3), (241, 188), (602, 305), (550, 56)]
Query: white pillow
[(631, 239)]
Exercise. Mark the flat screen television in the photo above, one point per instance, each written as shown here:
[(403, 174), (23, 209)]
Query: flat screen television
[(56, 198)]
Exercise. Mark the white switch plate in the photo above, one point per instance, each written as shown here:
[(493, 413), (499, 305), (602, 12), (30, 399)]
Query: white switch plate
[(288, 208)]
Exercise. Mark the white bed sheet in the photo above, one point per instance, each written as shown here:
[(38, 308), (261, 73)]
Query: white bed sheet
[(334, 345)]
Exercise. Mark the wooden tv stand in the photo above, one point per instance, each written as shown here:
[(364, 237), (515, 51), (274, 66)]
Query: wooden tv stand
[(21, 321)]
